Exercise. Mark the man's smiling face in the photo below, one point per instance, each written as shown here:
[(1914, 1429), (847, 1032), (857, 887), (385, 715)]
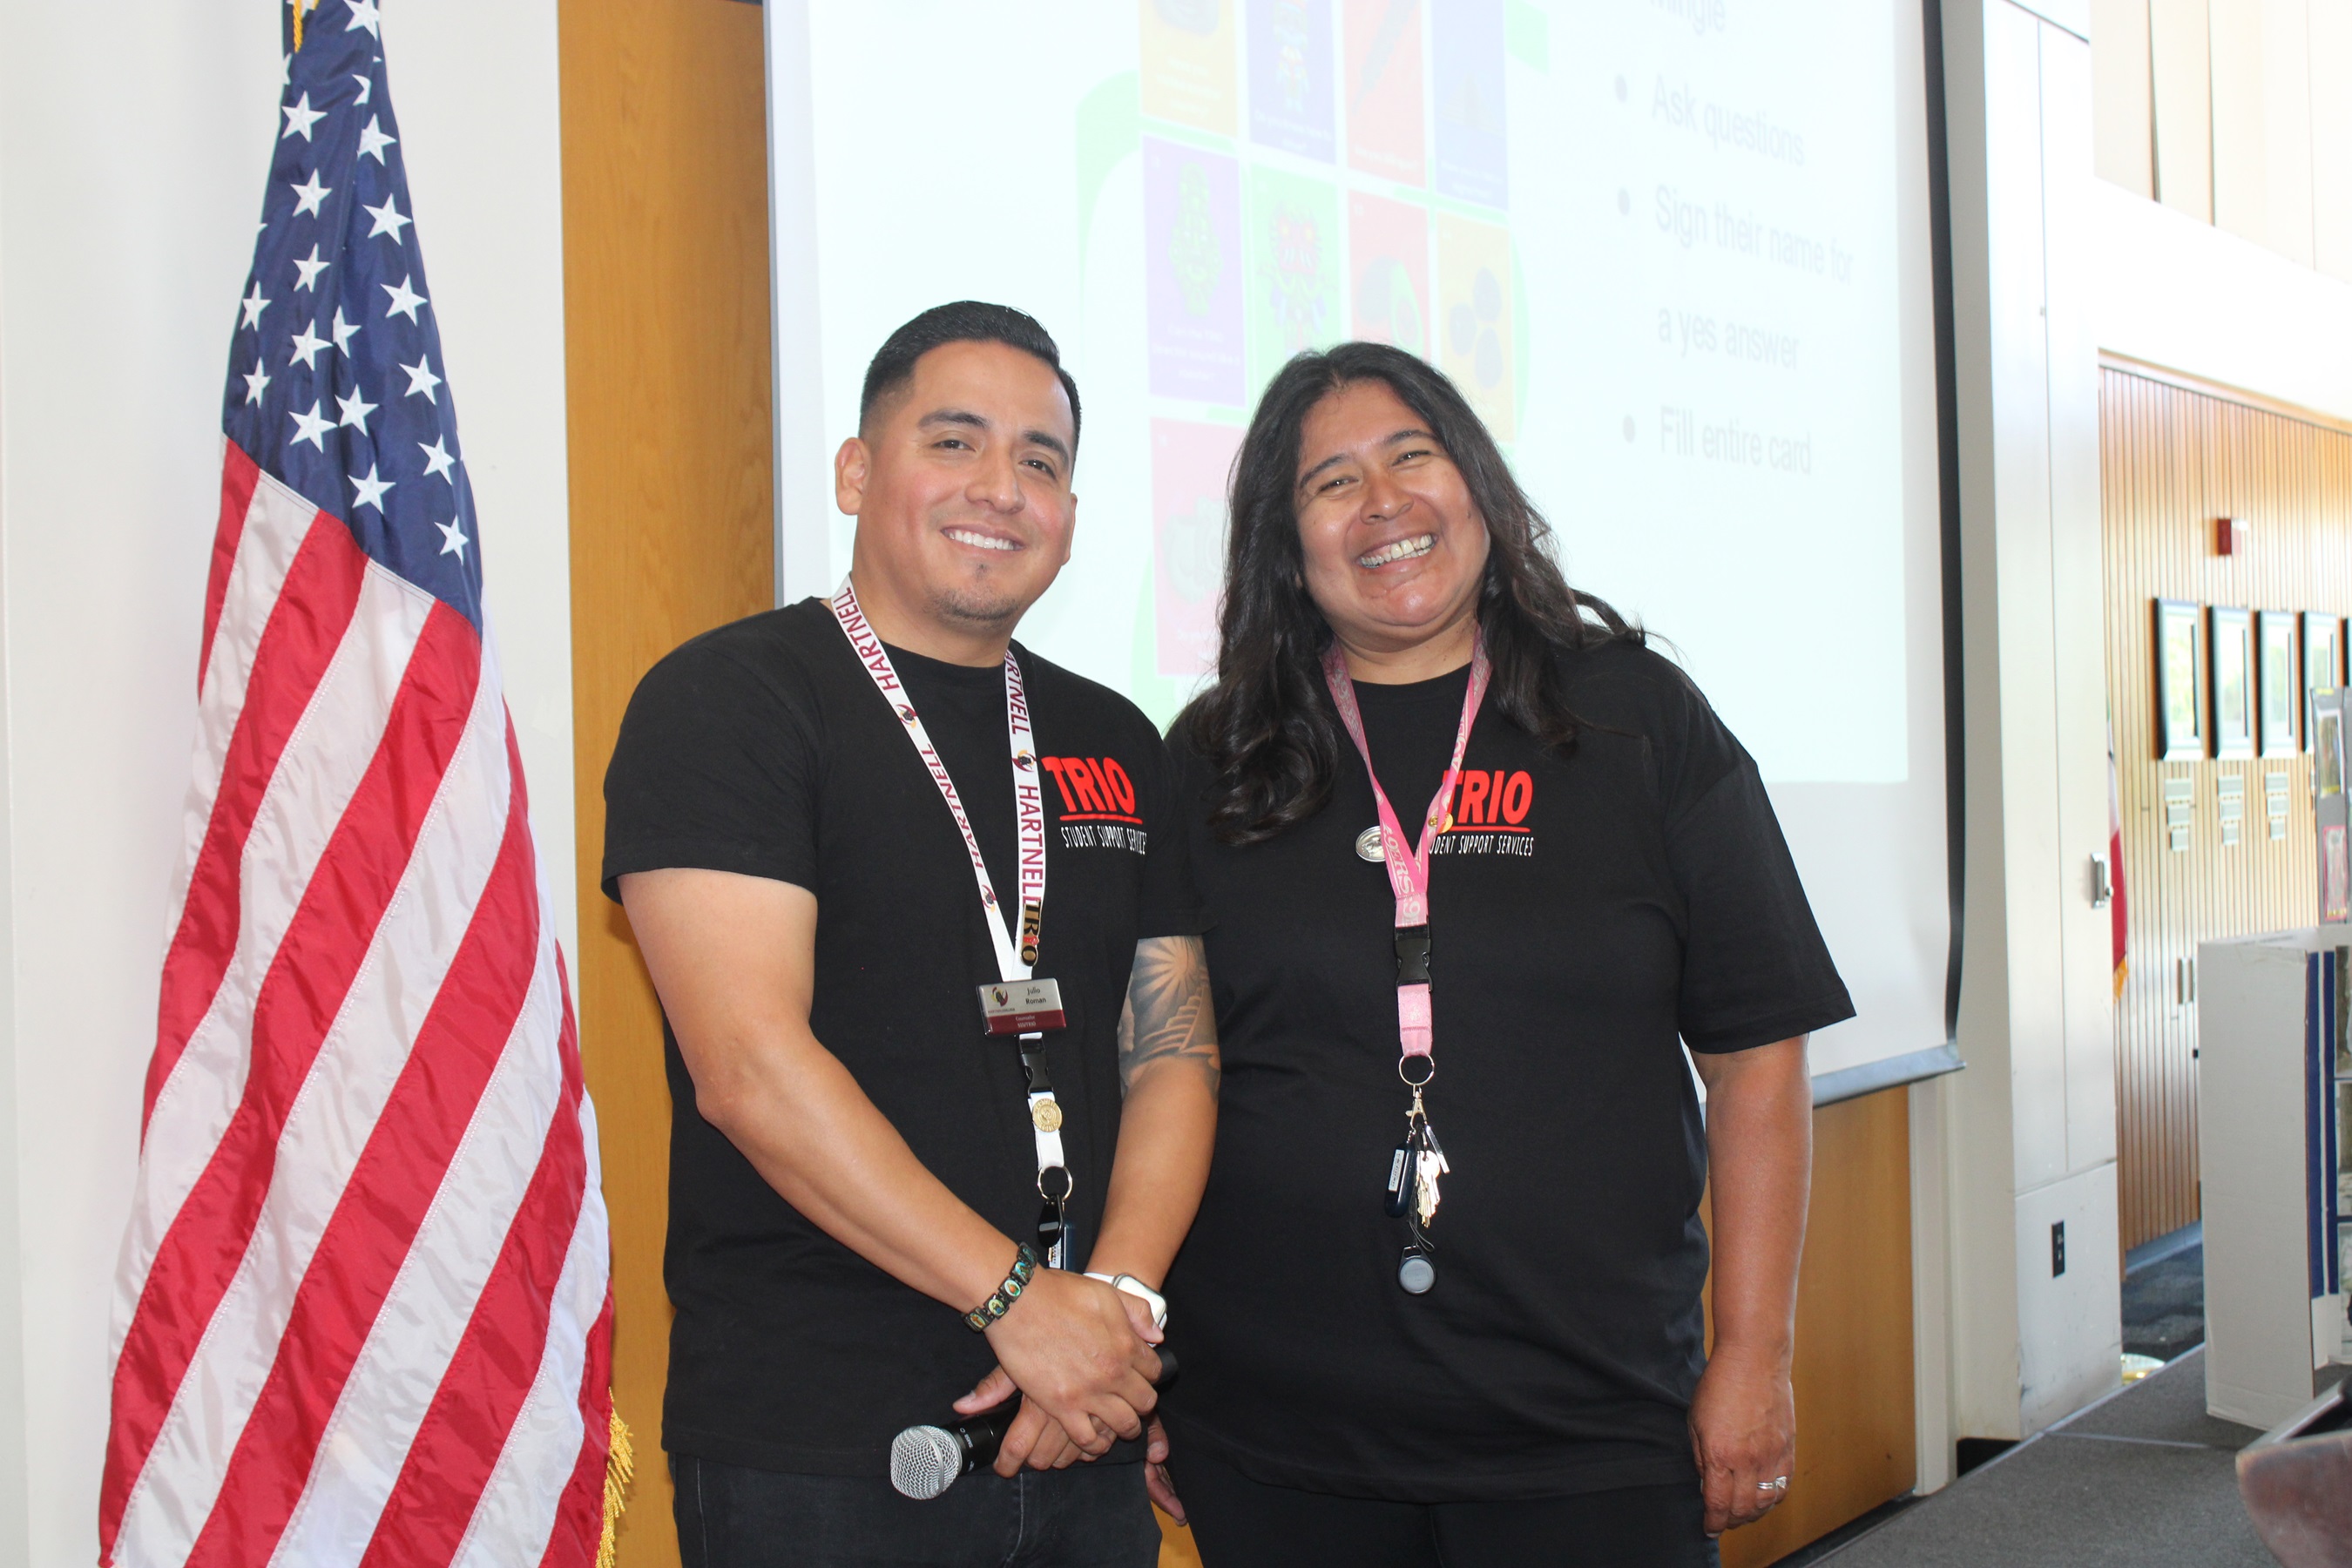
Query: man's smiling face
[(961, 484)]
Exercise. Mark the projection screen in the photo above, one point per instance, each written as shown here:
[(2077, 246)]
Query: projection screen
[(1676, 252)]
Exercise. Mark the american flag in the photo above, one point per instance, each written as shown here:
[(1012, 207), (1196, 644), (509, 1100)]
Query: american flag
[(362, 1311)]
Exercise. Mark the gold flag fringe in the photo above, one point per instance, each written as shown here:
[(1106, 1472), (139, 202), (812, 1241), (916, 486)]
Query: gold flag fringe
[(619, 1466)]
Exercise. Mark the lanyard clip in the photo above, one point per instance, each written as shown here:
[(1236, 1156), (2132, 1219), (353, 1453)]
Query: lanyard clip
[(1413, 955)]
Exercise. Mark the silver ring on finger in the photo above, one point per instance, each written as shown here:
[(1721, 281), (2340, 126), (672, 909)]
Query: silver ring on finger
[(1777, 1484)]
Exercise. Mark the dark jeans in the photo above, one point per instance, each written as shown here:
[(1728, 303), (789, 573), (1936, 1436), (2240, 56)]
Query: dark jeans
[(1241, 1524), (1088, 1516)]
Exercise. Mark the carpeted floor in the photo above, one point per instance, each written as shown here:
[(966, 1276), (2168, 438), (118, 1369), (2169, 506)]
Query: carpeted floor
[(2164, 1296), (2144, 1480)]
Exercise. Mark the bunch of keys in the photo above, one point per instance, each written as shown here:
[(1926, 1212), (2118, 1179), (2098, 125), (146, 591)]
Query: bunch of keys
[(1413, 1168)]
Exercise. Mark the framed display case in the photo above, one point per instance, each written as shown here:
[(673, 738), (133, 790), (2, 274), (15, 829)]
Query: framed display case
[(2232, 681), (2279, 679), (2323, 659), (2331, 822), (2179, 681)]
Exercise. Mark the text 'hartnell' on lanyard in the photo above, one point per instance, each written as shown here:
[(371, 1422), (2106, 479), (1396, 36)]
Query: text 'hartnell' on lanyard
[(1017, 1003), (1416, 1163)]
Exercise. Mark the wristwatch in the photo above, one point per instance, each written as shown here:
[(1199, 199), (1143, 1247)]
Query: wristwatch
[(1140, 1292)]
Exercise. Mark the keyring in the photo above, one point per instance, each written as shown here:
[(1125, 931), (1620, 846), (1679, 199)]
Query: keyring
[(1422, 1081), (1067, 1184)]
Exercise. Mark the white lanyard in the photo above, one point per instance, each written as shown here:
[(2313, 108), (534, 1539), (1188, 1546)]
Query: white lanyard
[(1014, 961)]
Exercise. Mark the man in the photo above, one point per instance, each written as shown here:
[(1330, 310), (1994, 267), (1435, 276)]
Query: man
[(937, 1016)]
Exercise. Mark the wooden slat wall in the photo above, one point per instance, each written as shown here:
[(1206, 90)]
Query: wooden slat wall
[(666, 313), (2175, 456)]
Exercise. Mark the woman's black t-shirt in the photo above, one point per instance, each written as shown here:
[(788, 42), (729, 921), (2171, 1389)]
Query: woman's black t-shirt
[(1590, 914)]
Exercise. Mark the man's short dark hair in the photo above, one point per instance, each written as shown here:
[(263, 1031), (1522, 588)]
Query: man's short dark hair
[(965, 321)]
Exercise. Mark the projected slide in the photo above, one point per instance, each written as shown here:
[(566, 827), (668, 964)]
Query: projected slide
[(1673, 251)]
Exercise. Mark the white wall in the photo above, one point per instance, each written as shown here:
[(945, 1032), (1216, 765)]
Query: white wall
[(2025, 1138), (2193, 297), (133, 146)]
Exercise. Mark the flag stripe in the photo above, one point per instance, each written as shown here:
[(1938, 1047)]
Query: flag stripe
[(423, 1318), (390, 1092), (310, 975), (272, 530), (388, 1197), (580, 1516), (315, 779), (512, 1523), (579, 1532), (317, 776), (308, 620), (456, 1448), (239, 474)]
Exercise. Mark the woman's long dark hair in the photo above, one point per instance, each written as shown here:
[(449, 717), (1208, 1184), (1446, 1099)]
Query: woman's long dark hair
[(1267, 728)]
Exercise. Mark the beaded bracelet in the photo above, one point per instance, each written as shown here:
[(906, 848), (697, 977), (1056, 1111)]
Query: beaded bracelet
[(1024, 1264)]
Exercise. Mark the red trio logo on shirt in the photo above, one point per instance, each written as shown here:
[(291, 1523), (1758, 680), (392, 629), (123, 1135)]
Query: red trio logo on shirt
[(1492, 799), (1093, 789)]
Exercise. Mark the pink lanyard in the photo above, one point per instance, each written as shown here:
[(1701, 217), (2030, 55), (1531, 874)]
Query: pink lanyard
[(1408, 871)]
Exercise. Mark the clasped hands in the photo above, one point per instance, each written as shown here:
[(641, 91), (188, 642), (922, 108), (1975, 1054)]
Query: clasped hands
[(1080, 1354)]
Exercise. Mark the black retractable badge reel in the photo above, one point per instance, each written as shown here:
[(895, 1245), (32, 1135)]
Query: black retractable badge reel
[(1019, 1003), (1417, 1161)]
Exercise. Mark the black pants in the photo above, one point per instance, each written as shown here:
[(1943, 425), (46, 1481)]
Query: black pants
[(1088, 1516), (1241, 1524)]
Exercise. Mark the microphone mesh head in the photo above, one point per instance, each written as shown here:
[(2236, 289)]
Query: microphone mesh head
[(925, 1462)]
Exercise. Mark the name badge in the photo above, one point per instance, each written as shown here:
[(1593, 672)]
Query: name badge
[(1022, 1007)]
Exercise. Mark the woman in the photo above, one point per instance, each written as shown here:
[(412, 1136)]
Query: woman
[(1460, 1322)]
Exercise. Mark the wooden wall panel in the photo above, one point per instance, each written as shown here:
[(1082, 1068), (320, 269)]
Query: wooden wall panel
[(1856, 1428), (667, 375), (2174, 458)]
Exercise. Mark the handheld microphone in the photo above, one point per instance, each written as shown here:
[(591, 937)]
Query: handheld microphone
[(927, 1460)]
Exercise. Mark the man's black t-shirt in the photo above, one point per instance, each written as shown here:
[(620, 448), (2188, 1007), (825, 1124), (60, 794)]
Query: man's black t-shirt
[(1586, 911), (763, 748)]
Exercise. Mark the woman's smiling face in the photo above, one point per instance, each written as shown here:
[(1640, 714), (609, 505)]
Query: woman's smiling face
[(1394, 547)]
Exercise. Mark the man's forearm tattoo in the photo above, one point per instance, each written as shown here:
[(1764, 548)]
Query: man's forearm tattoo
[(1169, 1012)]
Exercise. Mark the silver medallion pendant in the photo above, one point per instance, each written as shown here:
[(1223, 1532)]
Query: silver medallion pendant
[(1369, 844)]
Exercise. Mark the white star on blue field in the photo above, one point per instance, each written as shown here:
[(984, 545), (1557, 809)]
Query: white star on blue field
[(331, 385)]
